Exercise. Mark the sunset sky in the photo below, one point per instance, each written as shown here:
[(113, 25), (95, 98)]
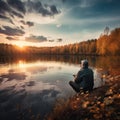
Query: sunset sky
[(56, 22)]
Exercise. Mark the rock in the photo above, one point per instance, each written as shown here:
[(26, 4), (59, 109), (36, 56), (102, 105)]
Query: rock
[(109, 92), (85, 104), (108, 101)]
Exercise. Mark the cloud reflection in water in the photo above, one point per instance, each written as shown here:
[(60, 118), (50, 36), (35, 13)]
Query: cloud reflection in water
[(23, 84)]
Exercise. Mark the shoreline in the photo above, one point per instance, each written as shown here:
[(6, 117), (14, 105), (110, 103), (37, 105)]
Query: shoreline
[(102, 103)]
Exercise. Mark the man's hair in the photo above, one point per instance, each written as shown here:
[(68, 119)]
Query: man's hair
[(84, 63)]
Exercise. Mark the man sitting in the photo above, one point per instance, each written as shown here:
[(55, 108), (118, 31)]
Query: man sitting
[(84, 79)]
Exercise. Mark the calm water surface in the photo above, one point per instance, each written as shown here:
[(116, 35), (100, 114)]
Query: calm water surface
[(32, 87)]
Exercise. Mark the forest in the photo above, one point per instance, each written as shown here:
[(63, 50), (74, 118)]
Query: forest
[(107, 44)]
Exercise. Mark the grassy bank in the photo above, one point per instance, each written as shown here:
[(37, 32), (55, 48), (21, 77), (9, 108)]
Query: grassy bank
[(102, 104)]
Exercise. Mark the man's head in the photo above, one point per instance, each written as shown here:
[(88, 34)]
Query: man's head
[(84, 63)]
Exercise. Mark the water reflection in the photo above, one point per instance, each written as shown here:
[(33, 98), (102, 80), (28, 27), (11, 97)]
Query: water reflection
[(36, 83), (12, 75)]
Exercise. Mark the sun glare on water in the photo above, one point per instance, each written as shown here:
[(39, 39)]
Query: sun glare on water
[(21, 64)]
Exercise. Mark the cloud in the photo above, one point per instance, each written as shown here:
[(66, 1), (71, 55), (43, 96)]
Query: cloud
[(44, 10), (18, 5), (3, 17), (19, 8), (14, 13), (51, 40), (10, 38), (6, 18), (23, 22), (54, 9), (37, 39), (22, 27), (28, 23), (11, 31), (12, 10), (59, 40), (3, 7), (6, 9)]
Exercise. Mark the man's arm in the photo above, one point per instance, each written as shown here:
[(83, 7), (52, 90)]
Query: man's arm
[(78, 77), (74, 75)]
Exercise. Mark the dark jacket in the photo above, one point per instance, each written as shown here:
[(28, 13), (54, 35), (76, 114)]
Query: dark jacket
[(84, 79)]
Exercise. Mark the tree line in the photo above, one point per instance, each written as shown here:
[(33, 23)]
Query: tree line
[(106, 44)]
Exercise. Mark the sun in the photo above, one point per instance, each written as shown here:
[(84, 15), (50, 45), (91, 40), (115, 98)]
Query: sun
[(21, 46)]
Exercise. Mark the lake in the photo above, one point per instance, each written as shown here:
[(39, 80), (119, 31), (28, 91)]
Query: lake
[(29, 87)]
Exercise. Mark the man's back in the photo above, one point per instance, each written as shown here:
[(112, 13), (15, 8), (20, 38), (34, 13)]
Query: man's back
[(86, 80)]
